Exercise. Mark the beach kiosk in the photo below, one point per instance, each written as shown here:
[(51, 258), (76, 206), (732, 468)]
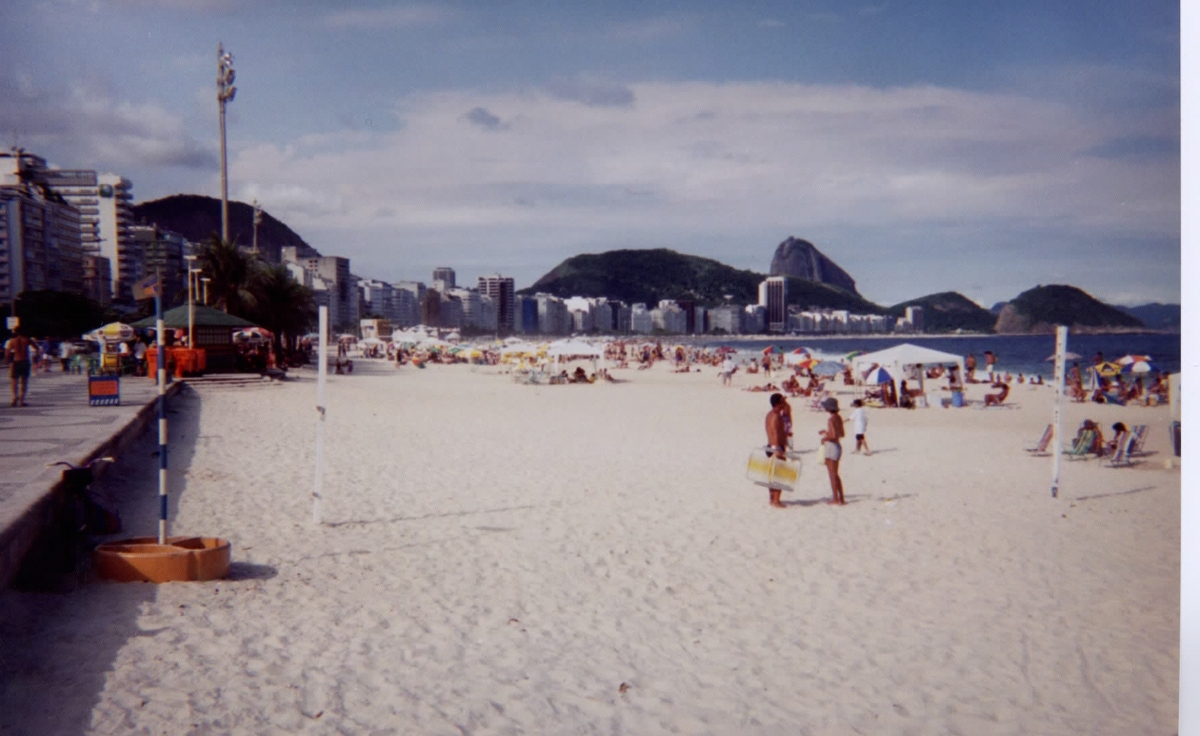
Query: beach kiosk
[(212, 349)]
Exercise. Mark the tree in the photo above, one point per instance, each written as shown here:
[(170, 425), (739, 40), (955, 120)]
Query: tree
[(281, 305), (55, 314), (230, 273)]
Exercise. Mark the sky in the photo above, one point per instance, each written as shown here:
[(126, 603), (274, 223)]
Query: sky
[(924, 146)]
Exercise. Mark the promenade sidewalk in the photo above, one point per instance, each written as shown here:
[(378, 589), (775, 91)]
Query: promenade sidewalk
[(57, 424)]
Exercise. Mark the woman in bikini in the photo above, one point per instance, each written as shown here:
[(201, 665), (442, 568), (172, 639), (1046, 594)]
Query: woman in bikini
[(831, 438)]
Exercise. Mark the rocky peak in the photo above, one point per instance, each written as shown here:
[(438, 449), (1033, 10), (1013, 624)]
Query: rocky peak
[(801, 259)]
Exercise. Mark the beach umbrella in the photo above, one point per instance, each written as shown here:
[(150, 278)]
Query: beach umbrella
[(1108, 369), (853, 354), (878, 376), (772, 349), (111, 332), (1139, 367), (800, 351), (1066, 356), (1131, 359), (829, 368)]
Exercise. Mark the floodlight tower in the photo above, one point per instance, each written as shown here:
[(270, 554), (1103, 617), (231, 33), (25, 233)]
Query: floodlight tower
[(225, 93)]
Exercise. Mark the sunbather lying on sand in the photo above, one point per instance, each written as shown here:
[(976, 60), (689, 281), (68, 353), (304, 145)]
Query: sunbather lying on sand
[(766, 387)]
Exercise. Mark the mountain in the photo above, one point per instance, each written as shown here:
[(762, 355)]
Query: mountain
[(196, 218), (805, 294), (1156, 316), (1040, 309), (648, 276), (949, 311), (800, 259)]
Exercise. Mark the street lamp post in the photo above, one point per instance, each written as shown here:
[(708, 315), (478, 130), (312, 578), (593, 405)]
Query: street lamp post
[(225, 93), (205, 281), (191, 302)]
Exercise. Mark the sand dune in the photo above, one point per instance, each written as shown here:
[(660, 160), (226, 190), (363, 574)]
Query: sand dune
[(501, 558)]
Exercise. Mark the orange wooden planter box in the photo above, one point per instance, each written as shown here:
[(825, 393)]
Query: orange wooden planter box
[(143, 559)]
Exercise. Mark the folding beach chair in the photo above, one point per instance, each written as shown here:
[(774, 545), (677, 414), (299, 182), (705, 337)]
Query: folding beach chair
[(1044, 443), (1120, 457), (1082, 446), (1139, 439)]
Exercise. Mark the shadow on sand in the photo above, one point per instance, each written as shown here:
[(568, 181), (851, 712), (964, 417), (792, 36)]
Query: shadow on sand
[(56, 648), (1116, 493)]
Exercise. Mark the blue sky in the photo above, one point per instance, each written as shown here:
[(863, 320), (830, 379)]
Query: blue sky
[(924, 146)]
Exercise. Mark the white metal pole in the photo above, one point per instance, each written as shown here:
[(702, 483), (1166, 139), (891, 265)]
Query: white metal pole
[(322, 360), (1060, 371)]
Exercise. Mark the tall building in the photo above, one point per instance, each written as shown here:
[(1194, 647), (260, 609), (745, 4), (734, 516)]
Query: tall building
[(40, 240), (502, 289), (164, 253), (775, 289), (333, 285), (916, 316), (443, 278), (105, 204)]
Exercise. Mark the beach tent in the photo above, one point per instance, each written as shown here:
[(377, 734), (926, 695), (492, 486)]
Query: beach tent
[(568, 347), (896, 359)]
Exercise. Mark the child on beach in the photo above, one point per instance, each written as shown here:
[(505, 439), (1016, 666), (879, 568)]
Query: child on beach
[(858, 421)]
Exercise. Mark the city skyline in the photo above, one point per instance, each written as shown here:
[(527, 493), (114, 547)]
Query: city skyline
[(924, 148)]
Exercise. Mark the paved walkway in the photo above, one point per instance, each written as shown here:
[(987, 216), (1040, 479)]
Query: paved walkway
[(56, 425)]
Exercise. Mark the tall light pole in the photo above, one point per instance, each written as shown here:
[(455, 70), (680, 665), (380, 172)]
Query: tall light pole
[(225, 93), (205, 280), (257, 222), (191, 303)]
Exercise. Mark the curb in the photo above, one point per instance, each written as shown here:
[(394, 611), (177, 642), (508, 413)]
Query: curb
[(24, 534)]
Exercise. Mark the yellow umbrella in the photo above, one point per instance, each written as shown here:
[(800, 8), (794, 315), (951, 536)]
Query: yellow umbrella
[(1108, 369)]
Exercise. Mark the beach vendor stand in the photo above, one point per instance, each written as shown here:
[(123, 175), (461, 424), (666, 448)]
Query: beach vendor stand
[(212, 348), (109, 338)]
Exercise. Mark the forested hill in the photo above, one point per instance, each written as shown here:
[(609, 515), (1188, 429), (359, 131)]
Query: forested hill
[(1040, 309), (196, 217), (949, 311), (647, 276)]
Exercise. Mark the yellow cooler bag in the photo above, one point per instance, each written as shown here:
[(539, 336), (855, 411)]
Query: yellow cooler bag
[(773, 472)]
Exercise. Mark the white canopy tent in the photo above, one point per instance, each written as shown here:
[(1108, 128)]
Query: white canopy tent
[(900, 357), (577, 348)]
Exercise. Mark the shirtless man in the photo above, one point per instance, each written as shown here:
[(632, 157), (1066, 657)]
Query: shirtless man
[(16, 350), (777, 438)]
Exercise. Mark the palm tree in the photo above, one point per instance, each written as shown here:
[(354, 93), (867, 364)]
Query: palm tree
[(282, 305), (230, 273)]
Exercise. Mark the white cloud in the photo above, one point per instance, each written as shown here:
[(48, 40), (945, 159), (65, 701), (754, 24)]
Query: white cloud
[(82, 125), (535, 173), (395, 16)]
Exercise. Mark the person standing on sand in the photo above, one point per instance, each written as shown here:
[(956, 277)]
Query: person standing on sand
[(777, 438), (16, 350), (969, 367), (858, 421), (831, 442), (989, 359)]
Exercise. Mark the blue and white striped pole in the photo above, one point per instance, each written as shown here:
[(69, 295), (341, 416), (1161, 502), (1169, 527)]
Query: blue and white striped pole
[(162, 413)]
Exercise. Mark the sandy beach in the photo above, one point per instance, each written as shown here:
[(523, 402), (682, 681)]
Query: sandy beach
[(504, 559)]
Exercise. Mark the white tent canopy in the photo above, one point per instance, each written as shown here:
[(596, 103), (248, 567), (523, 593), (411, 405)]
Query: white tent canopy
[(574, 347), (899, 357)]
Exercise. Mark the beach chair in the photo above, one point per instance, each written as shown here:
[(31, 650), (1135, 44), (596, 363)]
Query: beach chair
[(817, 399), (1082, 446), (1120, 457), (1139, 440), (1044, 443)]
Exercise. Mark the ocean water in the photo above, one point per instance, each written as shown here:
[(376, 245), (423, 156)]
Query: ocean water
[(1014, 353)]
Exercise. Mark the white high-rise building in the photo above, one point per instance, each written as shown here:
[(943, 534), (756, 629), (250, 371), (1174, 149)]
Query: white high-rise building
[(104, 202)]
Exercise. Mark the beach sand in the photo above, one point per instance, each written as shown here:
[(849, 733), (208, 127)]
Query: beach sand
[(504, 559)]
